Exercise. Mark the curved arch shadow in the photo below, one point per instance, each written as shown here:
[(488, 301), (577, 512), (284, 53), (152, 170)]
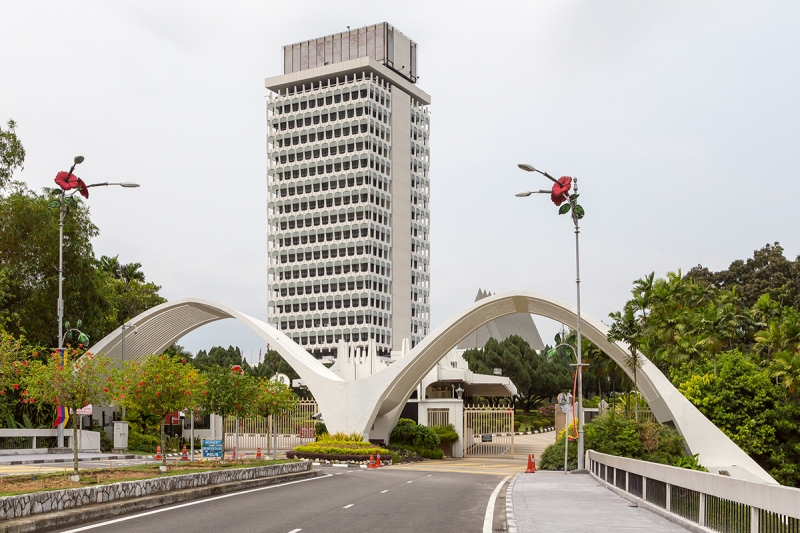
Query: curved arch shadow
[(372, 405)]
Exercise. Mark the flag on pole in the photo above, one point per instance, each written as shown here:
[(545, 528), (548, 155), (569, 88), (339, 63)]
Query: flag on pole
[(60, 415)]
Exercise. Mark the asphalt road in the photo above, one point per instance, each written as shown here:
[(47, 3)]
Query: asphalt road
[(342, 500)]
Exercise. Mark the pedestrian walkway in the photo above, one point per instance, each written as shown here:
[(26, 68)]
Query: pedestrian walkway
[(554, 502)]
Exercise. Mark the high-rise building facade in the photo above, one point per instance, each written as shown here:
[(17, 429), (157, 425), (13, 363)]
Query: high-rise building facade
[(349, 187)]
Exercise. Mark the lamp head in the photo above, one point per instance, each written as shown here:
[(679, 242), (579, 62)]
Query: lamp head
[(128, 184), (523, 194), (78, 159), (526, 167)]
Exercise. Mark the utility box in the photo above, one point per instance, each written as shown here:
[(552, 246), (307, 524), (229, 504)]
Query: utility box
[(120, 437)]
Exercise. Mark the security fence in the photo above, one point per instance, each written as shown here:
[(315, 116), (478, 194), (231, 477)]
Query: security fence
[(291, 429)]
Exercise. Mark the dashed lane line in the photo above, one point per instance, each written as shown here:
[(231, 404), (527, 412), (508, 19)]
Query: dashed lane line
[(387, 490), (195, 502), (348, 506)]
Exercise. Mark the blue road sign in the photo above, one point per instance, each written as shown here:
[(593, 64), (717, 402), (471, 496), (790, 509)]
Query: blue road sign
[(212, 448)]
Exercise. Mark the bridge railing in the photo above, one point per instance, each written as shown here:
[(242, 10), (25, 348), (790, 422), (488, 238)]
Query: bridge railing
[(714, 501)]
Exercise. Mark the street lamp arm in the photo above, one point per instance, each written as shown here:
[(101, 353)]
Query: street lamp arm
[(530, 168), (121, 184)]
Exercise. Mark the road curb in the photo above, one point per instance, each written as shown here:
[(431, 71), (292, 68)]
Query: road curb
[(48, 461), (511, 520), (100, 511)]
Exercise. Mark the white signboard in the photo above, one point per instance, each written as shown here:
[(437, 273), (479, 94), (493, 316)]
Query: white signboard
[(85, 410)]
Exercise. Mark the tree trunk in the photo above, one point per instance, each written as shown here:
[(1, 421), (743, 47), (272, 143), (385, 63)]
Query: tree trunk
[(636, 387), (163, 445), (75, 440)]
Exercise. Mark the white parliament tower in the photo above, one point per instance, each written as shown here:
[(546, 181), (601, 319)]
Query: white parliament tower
[(349, 187)]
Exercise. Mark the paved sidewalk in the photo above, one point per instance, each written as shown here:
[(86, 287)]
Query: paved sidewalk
[(552, 502)]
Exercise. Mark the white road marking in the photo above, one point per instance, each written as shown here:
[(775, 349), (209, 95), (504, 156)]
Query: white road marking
[(196, 502), (489, 517), (338, 474), (387, 490), (429, 475), (409, 481), (295, 530), (348, 506)]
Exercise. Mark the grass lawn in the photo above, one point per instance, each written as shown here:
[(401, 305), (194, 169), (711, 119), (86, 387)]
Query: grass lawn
[(14, 485)]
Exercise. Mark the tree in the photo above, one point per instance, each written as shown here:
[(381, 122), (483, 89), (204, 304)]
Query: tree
[(535, 376), (12, 154), (628, 329), (80, 382), (273, 363), (219, 356), (160, 385), (29, 259), (785, 368), (767, 272), (230, 391), (274, 398)]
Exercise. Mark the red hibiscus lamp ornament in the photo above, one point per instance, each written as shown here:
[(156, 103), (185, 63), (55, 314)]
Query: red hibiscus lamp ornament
[(560, 190)]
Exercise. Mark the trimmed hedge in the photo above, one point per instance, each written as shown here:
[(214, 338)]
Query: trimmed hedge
[(340, 448)]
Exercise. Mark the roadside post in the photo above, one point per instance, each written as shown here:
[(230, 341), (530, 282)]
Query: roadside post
[(564, 399), (82, 411)]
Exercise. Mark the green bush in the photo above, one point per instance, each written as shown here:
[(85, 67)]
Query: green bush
[(447, 434), (320, 429), (404, 431), (428, 453), (409, 432), (142, 442), (615, 434)]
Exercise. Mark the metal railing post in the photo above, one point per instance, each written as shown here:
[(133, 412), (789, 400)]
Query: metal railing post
[(702, 510), (669, 497), (755, 517), (644, 488), (627, 480)]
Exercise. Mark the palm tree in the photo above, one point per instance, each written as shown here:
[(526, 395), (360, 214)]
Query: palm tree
[(111, 265), (131, 272), (785, 368), (627, 328)]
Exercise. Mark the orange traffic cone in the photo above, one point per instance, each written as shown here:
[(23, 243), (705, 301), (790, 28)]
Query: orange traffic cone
[(258, 453), (378, 461), (184, 454), (531, 464), (371, 461), (158, 453)]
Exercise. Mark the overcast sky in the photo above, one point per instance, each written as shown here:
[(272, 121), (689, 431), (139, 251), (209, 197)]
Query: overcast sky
[(679, 119)]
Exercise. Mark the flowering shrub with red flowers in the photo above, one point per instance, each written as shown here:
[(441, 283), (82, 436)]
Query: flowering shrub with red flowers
[(79, 382), (156, 387)]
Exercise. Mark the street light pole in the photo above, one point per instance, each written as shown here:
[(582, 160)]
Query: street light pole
[(581, 465), (60, 311), (66, 185), (559, 194)]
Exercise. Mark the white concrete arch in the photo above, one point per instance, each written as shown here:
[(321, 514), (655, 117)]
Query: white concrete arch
[(372, 405)]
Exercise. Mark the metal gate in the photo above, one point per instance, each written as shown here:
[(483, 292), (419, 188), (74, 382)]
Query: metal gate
[(293, 428), (488, 431)]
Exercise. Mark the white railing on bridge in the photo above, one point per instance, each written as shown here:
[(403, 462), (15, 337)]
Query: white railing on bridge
[(34, 441), (716, 502)]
